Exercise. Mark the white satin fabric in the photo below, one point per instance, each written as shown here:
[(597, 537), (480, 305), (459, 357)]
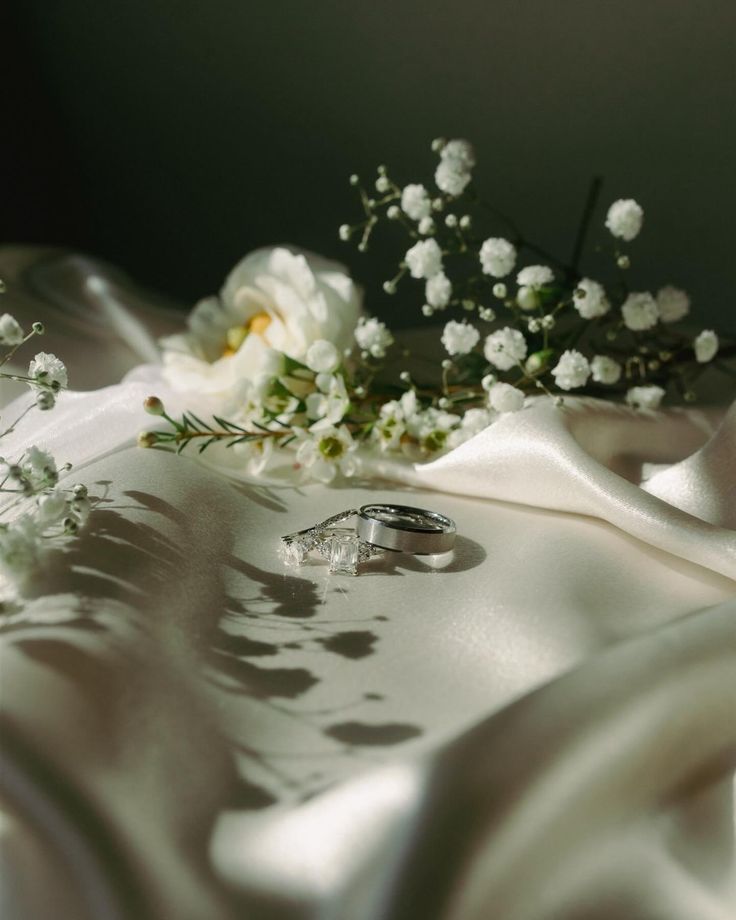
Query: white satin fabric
[(541, 726)]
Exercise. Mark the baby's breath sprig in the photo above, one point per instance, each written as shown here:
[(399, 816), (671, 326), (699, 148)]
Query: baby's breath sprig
[(35, 509), (565, 331)]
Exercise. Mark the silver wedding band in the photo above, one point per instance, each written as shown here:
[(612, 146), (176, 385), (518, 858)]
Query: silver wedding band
[(405, 529)]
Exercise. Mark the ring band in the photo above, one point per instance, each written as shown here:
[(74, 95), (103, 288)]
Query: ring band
[(405, 529)]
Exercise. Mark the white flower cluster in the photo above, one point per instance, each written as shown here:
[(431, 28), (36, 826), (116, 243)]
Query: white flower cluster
[(373, 337), (625, 218), (33, 508), (454, 172), (50, 512), (497, 258)]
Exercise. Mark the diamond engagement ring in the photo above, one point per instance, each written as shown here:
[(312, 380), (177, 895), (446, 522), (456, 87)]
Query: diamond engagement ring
[(294, 547), (380, 527)]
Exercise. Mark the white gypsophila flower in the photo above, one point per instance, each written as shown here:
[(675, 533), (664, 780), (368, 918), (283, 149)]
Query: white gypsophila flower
[(48, 369), (505, 398), (424, 259), (53, 507), (322, 357), (21, 544), (589, 299), (426, 226), (324, 453), (415, 201), (605, 370), (645, 397), (473, 422), (459, 338), (438, 291), (497, 258), (705, 346), (535, 276), (476, 420), (488, 381), (499, 289), (330, 404), (11, 332), (571, 371), (505, 348), (274, 299), (451, 178), (640, 311), (459, 152), (373, 336), (673, 304), (624, 219), (39, 468)]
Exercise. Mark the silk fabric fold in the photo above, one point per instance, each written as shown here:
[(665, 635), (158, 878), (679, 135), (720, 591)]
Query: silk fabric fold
[(542, 726)]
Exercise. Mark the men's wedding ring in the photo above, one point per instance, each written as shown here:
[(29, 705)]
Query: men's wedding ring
[(405, 529)]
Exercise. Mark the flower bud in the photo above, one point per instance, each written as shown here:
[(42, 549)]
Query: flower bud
[(146, 439), (539, 361), (70, 526), (45, 400), (79, 490), (623, 262), (153, 405), (38, 328)]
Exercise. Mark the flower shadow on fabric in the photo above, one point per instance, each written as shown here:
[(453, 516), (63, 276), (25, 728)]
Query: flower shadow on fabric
[(129, 600)]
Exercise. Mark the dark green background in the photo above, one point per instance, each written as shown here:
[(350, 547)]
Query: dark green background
[(172, 136)]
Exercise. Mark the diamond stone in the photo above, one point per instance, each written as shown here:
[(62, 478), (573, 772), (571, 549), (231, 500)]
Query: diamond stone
[(292, 553), (344, 552)]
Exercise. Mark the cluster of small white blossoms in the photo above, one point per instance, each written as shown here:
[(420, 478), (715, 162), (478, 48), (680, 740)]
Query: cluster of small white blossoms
[(34, 509), (41, 510), (301, 374), (562, 331)]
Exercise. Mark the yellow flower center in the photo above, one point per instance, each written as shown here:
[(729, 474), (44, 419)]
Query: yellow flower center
[(331, 448), (236, 335)]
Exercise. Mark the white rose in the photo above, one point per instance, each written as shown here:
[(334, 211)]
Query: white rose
[(274, 299)]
